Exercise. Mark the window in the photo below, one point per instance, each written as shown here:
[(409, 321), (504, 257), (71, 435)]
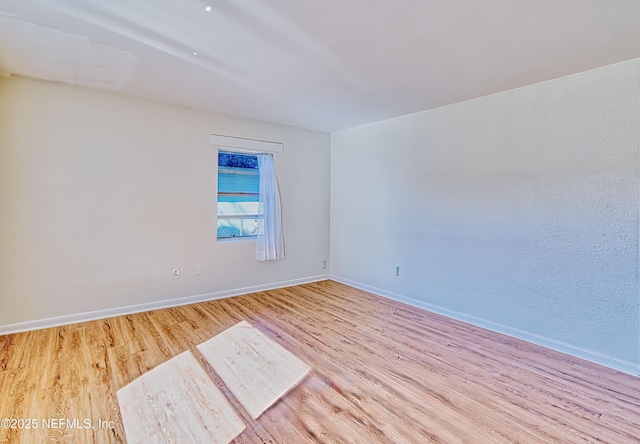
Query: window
[(238, 195)]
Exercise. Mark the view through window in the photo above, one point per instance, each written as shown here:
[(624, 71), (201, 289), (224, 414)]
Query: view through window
[(238, 192)]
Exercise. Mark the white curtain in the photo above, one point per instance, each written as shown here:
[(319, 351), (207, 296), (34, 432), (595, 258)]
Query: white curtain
[(270, 244)]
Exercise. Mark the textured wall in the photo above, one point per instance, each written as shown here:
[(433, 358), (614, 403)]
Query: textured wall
[(519, 209), (101, 196)]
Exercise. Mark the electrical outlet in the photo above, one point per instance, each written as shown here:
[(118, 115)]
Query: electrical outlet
[(397, 271), (175, 273), (198, 269), (324, 265)]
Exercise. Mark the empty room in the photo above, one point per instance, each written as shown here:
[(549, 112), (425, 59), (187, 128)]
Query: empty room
[(327, 222)]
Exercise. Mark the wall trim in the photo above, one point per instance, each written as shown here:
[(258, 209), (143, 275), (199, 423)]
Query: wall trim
[(149, 306), (563, 347), (241, 143)]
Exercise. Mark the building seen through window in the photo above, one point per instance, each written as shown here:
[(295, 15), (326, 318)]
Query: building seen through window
[(238, 192)]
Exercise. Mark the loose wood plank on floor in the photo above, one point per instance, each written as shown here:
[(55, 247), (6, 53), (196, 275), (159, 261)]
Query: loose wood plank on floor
[(257, 370), (177, 402)]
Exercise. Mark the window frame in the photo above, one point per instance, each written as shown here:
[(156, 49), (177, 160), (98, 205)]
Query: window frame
[(239, 216)]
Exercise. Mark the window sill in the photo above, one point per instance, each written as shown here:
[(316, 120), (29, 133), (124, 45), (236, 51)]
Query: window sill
[(226, 240)]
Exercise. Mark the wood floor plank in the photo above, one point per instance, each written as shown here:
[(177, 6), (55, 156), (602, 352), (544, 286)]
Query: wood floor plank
[(382, 372), (177, 402), (256, 369)]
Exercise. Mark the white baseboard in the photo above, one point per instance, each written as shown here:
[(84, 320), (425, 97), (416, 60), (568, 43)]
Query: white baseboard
[(130, 309), (589, 355)]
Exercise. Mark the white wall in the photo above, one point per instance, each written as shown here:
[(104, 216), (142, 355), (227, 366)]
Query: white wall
[(517, 211), (101, 196)]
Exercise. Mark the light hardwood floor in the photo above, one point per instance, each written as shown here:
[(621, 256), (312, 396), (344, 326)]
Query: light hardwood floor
[(381, 372)]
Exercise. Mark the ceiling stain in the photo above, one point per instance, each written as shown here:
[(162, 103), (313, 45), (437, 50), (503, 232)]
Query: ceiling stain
[(31, 50)]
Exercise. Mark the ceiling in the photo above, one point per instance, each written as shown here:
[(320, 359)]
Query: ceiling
[(324, 65)]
